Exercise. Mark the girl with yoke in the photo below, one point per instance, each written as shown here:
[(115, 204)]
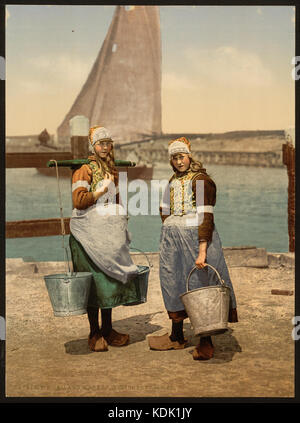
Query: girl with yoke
[(188, 237), (99, 240)]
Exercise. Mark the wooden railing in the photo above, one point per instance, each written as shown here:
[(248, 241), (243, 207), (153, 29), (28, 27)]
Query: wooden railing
[(288, 158), (36, 227), (37, 160), (79, 149)]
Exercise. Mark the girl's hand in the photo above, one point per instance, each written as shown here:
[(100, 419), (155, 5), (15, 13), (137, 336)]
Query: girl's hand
[(109, 177), (200, 260)]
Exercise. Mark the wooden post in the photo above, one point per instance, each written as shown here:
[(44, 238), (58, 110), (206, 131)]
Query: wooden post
[(80, 150), (79, 147), (288, 158)]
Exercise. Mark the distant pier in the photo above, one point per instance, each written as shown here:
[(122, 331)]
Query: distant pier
[(232, 158), (246, 148), (242, 148)]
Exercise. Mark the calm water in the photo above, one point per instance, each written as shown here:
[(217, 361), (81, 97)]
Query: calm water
[(251, 210)]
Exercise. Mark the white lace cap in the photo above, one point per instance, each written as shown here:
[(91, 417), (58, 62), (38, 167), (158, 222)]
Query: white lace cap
[(178, 147), (100, 133)]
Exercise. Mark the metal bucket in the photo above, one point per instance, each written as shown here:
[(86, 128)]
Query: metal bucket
[(141, 285), (141, 281), (69, 292), (207, 307)]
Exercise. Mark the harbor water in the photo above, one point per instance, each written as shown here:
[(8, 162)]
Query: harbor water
[(251, 210)]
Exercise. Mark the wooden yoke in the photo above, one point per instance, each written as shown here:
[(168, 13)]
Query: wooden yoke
[(72, 160)]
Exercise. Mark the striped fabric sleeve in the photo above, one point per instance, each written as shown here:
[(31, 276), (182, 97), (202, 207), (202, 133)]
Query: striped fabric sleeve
[(205, 201), (81, 182)]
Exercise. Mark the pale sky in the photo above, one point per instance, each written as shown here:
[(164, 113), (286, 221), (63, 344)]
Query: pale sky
[(224, 68)]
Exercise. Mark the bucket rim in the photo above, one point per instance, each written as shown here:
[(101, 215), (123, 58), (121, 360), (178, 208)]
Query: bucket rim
[(66, 276), (143, 269), (205, 287)]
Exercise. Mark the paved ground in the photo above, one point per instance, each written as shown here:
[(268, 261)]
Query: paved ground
[(48, 356)]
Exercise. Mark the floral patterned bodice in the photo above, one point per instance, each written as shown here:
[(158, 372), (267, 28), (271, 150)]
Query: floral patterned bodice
[(96, 178), (97, 181), (182, 198)]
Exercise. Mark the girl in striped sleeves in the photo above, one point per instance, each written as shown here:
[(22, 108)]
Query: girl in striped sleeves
[(187, 241), (99, 240)]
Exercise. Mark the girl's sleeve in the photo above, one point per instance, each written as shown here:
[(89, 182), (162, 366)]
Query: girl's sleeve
[(81, 182), (205, 192), (164, 208)]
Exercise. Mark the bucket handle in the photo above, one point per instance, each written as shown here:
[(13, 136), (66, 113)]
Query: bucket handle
[(141, 251), (195, 267)]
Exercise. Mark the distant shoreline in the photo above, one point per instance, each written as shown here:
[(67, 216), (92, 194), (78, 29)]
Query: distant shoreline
[(228, 134), (262, 148)]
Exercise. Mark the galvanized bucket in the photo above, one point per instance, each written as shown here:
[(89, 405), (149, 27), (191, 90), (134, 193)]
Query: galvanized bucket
[(69, 292), (207, 307), (141, 281), (141, 285)]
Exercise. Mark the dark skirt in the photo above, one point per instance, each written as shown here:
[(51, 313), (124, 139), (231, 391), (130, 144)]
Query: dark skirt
[(105, 292)]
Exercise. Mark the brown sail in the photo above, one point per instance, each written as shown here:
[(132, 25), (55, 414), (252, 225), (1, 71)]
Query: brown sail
[(123, 89)]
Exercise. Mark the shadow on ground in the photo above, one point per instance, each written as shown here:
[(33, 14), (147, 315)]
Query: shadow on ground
[(137, 326), (226, 345)]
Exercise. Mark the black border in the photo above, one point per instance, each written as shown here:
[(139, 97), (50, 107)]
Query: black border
[(2, 208), (147, 403)]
